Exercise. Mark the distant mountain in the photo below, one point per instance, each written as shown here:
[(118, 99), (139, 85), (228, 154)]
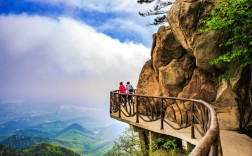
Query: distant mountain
[(51, 126), (77, 127), (95, 139), (20, 141), (35, 150), (33, 133), (110, 132), (88, 122), (11, 127), (78, 141)]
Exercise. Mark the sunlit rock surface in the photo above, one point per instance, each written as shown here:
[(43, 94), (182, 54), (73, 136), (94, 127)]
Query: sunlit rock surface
[(179, 64)]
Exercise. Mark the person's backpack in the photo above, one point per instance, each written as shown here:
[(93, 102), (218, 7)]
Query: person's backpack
[(131, 89)]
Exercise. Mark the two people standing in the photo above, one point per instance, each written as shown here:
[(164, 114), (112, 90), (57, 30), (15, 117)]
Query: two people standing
[(128, 89)]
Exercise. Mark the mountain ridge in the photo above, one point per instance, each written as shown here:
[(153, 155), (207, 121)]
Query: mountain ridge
[(38, 149)]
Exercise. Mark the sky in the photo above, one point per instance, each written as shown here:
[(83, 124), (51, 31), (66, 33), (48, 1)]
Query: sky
[(70, 50)]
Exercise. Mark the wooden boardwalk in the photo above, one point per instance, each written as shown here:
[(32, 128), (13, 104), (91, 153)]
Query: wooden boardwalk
[(233, 143)]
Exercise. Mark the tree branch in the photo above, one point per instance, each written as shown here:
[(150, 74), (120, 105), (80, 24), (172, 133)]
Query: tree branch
[(157, 10), (145, 1)]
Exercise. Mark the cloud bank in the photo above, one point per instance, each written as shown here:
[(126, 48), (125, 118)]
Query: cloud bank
[(43, 57)]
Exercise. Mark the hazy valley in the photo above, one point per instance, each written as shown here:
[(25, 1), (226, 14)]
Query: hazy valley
[(83, 134)]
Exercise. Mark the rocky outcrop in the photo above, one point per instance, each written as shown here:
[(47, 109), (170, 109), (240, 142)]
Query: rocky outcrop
[(184, 19), (201, 86), (164, 53), (179, 64), (147, 80)]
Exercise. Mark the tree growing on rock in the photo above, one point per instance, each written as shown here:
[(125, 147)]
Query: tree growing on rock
[(234, 19), (159, 10)]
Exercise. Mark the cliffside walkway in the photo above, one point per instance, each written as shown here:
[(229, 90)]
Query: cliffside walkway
[(192, 121)]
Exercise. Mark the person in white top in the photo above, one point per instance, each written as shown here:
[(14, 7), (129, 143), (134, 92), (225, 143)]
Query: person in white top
[(130, 90)]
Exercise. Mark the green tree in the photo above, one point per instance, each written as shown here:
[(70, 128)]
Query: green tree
[(128, 144), (234, 19), (168, 144)]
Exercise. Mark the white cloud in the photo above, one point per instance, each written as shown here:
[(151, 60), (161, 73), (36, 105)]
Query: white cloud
[(125, 12), (63, 58), (130, 26)]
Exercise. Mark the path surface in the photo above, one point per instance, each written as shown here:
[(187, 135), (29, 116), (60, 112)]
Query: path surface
[(233, 143)]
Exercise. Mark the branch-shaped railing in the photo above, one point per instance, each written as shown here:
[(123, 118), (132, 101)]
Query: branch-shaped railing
[(177, 113)]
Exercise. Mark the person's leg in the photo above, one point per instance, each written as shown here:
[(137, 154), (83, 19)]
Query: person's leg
[(131, 99), (125, 99)]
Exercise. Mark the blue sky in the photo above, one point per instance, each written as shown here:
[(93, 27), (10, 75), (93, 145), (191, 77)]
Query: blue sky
[(71, 49)]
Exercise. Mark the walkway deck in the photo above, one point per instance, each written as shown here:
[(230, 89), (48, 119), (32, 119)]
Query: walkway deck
[(233, 143)]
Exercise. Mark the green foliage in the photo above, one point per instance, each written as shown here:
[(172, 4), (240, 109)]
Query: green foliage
[(234, 19), (164, 144), (20, 141), (73, 137), (127, 144), (168, 144), (47, 150), (37, 150)]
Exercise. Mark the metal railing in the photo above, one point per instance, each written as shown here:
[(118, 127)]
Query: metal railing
[(176, 113)]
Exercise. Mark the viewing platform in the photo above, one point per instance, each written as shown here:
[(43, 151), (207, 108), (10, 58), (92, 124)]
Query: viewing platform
[(194, 122)]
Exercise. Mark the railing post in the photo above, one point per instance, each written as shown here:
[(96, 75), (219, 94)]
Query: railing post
[(192, 126), (119, 106), (162, 115), (137, 110), (133, 103), (110, 111), (115, 101), (206, 120)]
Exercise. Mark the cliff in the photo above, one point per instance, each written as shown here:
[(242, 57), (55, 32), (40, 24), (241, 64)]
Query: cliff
[(179, 66)]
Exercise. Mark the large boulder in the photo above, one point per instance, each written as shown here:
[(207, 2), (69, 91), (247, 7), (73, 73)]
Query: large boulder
[(164, 48), (201, 86), (147, 85), (170, 78), (147, 82), (226, 107), (184, 18), (173, 76), (226, 103)]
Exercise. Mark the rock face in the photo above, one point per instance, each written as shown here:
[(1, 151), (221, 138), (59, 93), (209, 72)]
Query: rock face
[(147, 80), (179, 64), (184, 19)]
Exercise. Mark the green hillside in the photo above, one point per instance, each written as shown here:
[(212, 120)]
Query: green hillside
[(51, 127), (82, 142), (20, 141), (37, 150), (73, 137), (69, 134)]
